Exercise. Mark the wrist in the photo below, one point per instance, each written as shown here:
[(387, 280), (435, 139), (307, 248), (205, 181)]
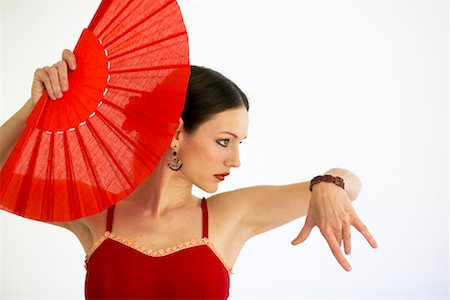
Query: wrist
[(26, 110), (327, 178)]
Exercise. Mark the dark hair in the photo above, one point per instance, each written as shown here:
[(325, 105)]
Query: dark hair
[(209, 93)]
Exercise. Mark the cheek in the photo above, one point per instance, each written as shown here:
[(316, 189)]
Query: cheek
[(204, 159), (211, 153), (208, 158)]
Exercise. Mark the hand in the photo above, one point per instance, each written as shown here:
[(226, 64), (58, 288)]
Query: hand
[(330, 209), (54, 79)]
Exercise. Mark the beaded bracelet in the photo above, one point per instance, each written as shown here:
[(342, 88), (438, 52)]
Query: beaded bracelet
[(327, 178)]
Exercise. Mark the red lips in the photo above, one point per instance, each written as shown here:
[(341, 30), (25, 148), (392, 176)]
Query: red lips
[(221, 177), (223, 174)]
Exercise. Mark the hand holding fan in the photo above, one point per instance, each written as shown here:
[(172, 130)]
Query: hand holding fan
[(84, 152)]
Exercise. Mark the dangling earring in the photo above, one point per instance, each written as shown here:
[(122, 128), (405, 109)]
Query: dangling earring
[(174, 161)]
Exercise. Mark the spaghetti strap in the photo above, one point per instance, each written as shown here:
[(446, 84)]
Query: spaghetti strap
[(205, 217), (109, 218)]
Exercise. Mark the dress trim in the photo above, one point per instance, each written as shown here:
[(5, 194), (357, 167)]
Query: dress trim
[(156, 253)]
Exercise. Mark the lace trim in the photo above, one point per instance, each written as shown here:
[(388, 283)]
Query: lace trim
[(160, 252)]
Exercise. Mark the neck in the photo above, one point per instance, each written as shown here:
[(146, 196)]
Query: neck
[(165, 191)]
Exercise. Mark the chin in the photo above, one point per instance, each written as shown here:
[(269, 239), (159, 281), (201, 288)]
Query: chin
[(209, 188)]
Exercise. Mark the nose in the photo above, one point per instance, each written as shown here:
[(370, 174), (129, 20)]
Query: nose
[(234, 160)]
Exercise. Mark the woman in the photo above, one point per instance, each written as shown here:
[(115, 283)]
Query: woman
[(164, 242)]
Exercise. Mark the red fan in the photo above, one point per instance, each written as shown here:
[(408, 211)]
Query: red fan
[(86, 151)]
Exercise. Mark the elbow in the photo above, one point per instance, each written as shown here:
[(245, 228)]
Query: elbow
[(355, 189), (352, 182), (353, 186)]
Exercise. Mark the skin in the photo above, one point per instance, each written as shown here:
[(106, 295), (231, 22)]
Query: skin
[(163, 208)]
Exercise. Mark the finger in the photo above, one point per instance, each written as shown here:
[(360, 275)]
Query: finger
[(43, 76), (69, 57), (304, 233), (338, 236), (347, 235), (54, 79), (336, 250), (62, 74), (359, 225)]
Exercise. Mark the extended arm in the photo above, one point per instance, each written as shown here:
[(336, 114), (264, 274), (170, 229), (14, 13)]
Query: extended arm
[(268, 206), (328, 206)]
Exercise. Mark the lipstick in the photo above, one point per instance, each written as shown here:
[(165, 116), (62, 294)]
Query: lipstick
[(221, 177)]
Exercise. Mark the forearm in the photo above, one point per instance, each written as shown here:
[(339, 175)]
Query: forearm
[(352, 182), (11, 130)]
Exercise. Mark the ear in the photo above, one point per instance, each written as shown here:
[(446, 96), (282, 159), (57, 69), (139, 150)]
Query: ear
[(177, 137)]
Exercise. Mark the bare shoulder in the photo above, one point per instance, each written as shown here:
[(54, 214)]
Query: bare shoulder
[(228, 226), (227, 210), (224, 207), (233, 205)]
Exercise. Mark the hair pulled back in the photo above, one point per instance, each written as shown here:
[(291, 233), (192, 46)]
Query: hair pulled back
[(209, 93)]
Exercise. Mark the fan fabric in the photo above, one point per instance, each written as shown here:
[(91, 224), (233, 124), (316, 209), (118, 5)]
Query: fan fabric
[(82, 153)]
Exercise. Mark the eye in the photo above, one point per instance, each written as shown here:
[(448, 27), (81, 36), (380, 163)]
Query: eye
[(227, 140)]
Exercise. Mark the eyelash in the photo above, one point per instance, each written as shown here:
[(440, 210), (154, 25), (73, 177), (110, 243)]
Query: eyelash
[(227, 143), (218, 142)]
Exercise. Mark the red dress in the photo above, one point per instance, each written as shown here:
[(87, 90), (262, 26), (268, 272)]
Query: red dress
[(119, 268)]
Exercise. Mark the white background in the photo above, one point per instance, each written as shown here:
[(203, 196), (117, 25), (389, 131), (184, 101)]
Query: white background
[(361, 85)]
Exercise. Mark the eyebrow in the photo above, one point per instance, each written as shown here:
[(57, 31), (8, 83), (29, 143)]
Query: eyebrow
[(232, 134)]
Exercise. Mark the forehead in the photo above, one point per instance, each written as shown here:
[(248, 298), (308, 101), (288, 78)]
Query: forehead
[(232, 120)]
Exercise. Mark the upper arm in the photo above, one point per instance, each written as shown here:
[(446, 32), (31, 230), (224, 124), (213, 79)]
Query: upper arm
[(265, 207), (77, 227), (66, 225), (80, 229)]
